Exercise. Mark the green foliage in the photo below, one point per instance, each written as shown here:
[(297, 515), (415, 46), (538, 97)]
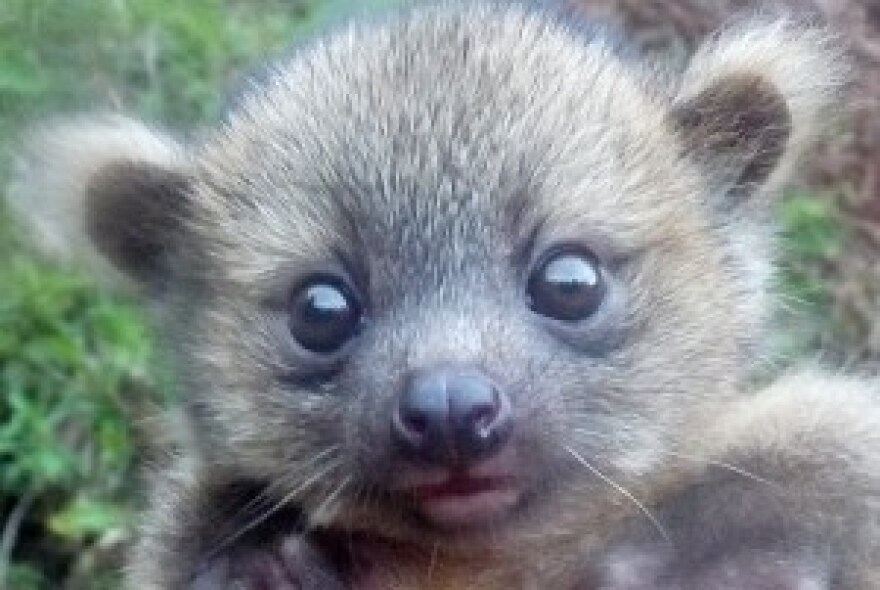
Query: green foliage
[(810, 233), (68, 355), (812, 241), (166, 59), (76, 364)]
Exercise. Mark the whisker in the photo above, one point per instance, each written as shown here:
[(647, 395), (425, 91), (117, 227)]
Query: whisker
[(264, 496), (660, 528), (700, 459), (284, 501), (331, 497), (290, 478), (727, 466)]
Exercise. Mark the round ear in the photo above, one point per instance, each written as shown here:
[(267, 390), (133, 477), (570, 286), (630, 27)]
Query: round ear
[(105, 190), (133, 215), (749, 103), (737, 129), (752, 98)]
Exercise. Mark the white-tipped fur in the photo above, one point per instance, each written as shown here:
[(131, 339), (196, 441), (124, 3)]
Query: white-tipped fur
[(420, 133), (780, 52), (58, 161), (808, 67)]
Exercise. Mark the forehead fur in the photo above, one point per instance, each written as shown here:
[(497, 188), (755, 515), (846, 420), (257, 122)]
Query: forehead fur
[(453, 128)]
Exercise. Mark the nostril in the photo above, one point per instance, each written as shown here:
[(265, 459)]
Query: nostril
[(416, 423), (420, 418), (449, 416), (482, 417)]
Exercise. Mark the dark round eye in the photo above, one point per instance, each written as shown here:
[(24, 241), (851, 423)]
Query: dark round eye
[(567, 284), (324, 314)]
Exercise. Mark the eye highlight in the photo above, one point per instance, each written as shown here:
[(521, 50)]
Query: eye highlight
[(567, 284), (324, 314)]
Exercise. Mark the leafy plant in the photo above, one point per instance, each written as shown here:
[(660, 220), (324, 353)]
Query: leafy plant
[(77, 364), (812, 238), (67, 357)]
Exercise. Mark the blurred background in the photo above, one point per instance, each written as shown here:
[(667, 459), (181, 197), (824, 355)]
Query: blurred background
[(78, 369)]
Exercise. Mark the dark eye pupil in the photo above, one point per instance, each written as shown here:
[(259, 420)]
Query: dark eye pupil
[(567, 286), (324, 315)]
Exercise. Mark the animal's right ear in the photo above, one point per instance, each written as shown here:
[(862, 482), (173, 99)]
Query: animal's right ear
[(109, 187), (752, 99)]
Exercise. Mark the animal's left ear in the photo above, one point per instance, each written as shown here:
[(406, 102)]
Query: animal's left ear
[(751, 99)]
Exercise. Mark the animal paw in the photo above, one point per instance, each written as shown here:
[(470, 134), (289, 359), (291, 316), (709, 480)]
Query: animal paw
[(291, 564), (637, 570)]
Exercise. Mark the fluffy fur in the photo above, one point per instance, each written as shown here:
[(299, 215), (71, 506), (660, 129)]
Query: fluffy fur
[(438, 155), (59, 160)]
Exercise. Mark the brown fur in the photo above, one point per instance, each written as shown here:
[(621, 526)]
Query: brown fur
[(439, 154)]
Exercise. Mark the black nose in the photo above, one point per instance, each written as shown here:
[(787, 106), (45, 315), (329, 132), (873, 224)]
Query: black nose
[(451, 417)]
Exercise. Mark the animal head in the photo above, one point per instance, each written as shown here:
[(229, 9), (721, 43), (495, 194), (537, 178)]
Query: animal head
[(438, 270)]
